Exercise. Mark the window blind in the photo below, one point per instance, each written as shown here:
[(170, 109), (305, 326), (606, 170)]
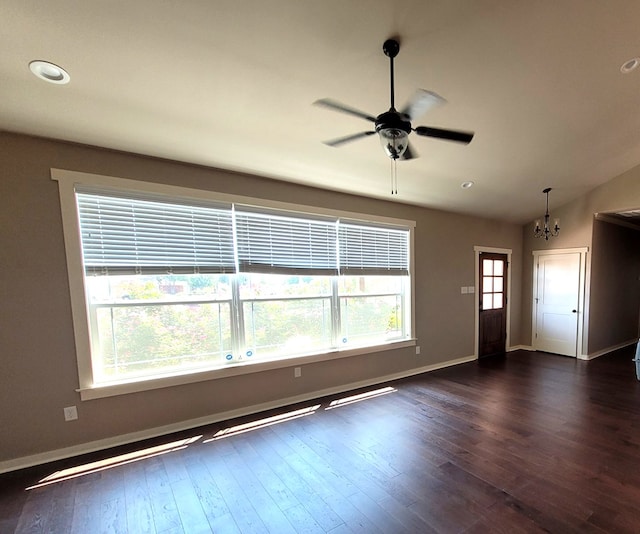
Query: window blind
[(273, 243), (133, 235), (373, 250)]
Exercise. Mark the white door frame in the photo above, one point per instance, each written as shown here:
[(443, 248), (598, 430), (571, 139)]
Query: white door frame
[(582, 294), (478, 250)]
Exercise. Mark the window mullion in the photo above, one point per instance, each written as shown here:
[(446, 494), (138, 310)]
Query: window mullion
[(336, 327), (238, 341)]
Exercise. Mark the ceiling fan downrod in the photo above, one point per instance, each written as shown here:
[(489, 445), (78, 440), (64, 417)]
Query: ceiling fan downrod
[(391, 47)]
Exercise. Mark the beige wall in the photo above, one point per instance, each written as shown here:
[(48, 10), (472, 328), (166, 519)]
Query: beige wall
[(577, 221), (39, 374)]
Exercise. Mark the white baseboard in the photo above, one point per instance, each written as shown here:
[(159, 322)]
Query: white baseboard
[(608, 350), (123, 439), (519, 347)]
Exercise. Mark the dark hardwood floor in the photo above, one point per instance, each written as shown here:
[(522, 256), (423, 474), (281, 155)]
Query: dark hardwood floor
[(530, 442)]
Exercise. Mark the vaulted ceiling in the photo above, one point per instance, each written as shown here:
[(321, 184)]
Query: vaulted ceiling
[(231, 85)]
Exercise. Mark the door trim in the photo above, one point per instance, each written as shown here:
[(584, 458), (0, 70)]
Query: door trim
[(477, 251), (582, 295)]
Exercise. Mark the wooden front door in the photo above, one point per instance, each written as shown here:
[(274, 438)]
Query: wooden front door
[(493, 304)]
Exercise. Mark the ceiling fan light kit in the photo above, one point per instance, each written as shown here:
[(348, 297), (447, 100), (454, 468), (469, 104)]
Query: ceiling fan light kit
[(394, 140)]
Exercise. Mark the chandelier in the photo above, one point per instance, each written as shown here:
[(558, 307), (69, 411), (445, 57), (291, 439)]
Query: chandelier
[(546, 231)]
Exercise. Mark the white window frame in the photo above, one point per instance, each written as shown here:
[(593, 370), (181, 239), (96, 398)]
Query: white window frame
[(68, 181)]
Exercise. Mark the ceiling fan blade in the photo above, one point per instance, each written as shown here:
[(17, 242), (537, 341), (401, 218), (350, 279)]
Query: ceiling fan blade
[(409, 153), (347, 138), (448, 135), (337, 106), (421, 102)]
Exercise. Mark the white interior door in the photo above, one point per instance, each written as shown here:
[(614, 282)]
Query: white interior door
[(557, 302)]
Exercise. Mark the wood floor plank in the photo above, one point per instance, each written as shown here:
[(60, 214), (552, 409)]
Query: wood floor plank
[(261, 501), (163, 505), (192, 516), (357, 471), (235, 497), (87, 506), (404, 515), (113, 508), (207, 491), (317, 508), (270, 481), (378, 515), (138, 501), (35, 512)]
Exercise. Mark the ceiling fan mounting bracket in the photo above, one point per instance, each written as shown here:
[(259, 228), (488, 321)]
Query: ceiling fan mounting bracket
[(391, 47)]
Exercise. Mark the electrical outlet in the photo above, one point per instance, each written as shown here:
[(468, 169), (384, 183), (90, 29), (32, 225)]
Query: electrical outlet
[(297, 372), (70, 413), (417, 349)]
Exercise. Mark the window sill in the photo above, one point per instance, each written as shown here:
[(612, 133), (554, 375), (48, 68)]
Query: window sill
[(138, 385)]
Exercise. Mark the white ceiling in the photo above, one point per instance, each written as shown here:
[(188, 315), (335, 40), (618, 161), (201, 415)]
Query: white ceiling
[(231, 84)]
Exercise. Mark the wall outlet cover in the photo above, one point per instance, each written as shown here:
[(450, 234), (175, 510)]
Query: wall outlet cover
[(70, 413)]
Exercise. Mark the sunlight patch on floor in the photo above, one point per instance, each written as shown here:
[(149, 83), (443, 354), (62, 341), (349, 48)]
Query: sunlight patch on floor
[(114, 461), (262, 423), (360, 397)]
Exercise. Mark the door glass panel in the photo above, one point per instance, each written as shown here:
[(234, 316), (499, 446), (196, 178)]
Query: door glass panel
[(497, 300), (498, 267), (487, 267), (497, 284), (487, 301), (487, 284)]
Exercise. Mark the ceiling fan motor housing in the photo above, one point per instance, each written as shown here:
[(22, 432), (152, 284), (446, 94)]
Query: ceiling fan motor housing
[(394, 133)]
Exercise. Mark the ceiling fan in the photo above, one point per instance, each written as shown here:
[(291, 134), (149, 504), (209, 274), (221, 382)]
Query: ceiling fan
[(394, 126)]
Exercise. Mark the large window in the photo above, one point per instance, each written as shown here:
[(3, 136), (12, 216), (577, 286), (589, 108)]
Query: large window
[(172, 285)]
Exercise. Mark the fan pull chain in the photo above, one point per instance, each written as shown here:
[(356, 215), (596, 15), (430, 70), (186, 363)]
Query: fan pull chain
[(394, 178)]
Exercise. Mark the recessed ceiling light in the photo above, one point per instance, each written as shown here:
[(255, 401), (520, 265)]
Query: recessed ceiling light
[(630, 65), (466, 185), (49, 72)]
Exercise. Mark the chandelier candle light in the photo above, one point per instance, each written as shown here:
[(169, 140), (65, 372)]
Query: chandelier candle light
[(546, 231)]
